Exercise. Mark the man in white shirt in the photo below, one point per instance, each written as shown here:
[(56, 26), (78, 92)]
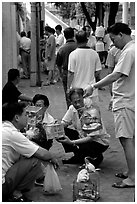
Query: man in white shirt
[(25, 48), (123, 79), (83, 65), (20, 156)]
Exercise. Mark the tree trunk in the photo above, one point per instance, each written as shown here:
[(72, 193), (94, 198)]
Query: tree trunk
[(112, 13), (91, 23)]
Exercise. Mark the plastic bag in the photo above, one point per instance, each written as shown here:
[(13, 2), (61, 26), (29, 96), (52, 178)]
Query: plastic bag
[(51, 182)]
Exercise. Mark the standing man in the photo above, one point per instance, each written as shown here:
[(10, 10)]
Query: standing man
[(123, 79), (63, 55), (84, 64), (25, 48), (50, 54), (91, 38)]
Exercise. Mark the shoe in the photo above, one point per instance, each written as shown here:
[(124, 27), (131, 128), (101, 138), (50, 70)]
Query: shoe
[(121, 175), (39, 181), (121, 184), (20, 199)]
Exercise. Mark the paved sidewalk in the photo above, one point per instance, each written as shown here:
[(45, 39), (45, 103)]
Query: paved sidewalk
[(114, 160)]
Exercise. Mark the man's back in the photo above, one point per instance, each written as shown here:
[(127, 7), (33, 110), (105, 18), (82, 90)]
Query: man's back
[(10, 93), (63, 54), (83, 62)]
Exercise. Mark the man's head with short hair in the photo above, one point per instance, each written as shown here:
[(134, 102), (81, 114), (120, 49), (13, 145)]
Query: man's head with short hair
[(23, 33), (11, 109), (58, 27), (48, 29), (13, 74), (69, 33), (81, 37), (120, 34), (119, 28)]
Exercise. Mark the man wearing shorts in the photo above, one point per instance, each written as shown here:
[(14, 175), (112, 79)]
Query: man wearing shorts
[(123, 79)]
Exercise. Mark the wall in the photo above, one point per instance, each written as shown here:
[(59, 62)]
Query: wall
[(9, 39)]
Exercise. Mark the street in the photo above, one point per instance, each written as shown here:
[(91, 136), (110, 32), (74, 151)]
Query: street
[(114, 160)]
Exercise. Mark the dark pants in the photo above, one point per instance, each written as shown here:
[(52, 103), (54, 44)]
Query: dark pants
[(92, 149), (64, 81), (25, 57), (20, 176)]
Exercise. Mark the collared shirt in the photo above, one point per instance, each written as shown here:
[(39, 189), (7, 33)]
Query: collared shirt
[(124, 87), (71, 119), (14, 144), (113, 56)]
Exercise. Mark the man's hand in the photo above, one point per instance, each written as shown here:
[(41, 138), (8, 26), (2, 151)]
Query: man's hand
[(88, 91), (54, 162), (65, 140)]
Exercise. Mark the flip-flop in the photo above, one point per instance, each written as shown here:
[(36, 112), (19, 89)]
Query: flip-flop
[(121, 175), (121, 184)]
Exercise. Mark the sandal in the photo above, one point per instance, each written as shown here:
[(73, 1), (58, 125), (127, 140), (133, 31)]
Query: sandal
[(121, 184), (121, 175)]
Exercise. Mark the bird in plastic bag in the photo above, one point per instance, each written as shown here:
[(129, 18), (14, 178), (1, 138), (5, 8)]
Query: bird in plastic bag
[(51, 181)]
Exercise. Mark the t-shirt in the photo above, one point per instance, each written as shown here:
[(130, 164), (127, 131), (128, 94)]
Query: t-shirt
[(124, 87), (10, 93), (14, 144), (84, 62)]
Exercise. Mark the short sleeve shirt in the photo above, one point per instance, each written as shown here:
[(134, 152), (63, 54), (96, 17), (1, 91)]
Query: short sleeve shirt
[(72, 118), (10, 93), (14, 144), (113, 56), (124, 87), (84, 62)]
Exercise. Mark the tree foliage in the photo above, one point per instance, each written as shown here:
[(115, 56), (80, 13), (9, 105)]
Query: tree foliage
[(88, 10)]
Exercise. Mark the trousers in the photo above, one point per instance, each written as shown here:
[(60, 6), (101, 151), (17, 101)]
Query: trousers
[(20, 176)]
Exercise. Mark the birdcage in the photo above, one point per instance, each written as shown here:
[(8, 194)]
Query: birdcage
[(88, 190), (34, 116), (54, 131)]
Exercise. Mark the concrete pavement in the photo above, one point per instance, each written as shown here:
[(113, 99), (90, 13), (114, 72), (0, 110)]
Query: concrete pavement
[(114, 160)]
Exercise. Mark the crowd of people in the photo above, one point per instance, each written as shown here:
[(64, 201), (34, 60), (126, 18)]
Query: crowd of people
[(79, 56)]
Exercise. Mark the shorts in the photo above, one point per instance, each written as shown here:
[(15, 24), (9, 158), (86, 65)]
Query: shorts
[(124, 119)]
